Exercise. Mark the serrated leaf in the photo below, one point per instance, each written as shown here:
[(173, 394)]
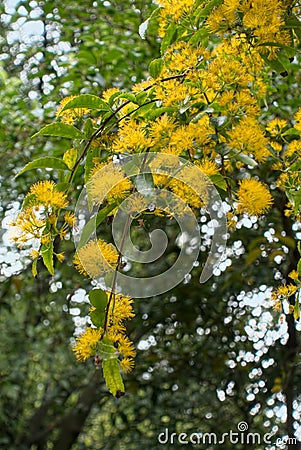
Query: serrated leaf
[(112, 376), (98, 298), (155, 67), (98, 317), (85, 101), (70, 157), (47, 256), (42, 163), (60, 129)]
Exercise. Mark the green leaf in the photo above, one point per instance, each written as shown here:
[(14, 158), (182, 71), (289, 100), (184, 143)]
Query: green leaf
[(291, 131), (70, 157), (127, 96), (98, 317), (85, 101), (299, 249), (47, 162), (208, 8), (244, 158), (112, 376), (60, 129), (170, 37), (47, 256), (98, 298), (219, 181), (156, 67), (299, 265)]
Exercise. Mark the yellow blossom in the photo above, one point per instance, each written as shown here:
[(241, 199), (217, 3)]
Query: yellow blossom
[(131, 137), (70, 219), (276, 126), (254, 197), (86, 345), (248, 137), (294, 275), (294, 148), (34, 254), (45, 193), (107, 94), (95, 258)]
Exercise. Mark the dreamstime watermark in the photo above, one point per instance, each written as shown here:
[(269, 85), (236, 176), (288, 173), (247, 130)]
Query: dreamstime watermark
[(239, 436), (179, 180)]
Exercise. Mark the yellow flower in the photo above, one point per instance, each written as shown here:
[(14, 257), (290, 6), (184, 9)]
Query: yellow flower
[(86, 345), (95, 258), (108, 181), (254, 197), (72, 114), (294, 148), (247, 136), (172, 9), (45, 193), (127, 364), (34, 254), (126, 346)]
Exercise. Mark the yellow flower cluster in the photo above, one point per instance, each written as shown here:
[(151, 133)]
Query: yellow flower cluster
[(262, 20), (107, 182), (172, 10)]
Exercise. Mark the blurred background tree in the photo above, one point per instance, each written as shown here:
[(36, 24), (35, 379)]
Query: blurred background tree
[(209, 356)]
